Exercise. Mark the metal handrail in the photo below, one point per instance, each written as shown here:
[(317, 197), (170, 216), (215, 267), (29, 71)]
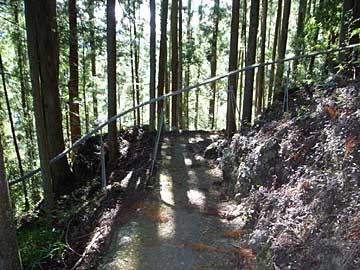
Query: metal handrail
[(175, 93)]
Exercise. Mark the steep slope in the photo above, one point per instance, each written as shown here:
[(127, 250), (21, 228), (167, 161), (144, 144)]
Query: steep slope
[(296, 181)]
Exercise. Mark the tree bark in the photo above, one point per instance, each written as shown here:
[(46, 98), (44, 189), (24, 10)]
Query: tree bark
[(274, 50), (84, 79), (136, 47), (213, 63), (188, 60), (45, 42), (93, 59), (162, 56), (33, 19), (282, 50), (174, 64), (233, 57), (250, 60), (261, 70), (9, 251), (75, 127), (180, 76), (111, 74), (152, 63), (133, 93)]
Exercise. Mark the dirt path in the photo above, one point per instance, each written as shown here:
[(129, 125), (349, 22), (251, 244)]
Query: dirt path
[(177, 227)]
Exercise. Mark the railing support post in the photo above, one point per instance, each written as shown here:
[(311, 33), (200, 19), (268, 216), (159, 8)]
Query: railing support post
[(286, 93)]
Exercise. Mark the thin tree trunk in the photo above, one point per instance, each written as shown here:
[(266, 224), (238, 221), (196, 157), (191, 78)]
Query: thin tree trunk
[(152, 63), (162, 56), (180, 76), (9, 255), (282, 50), (93, 59), (167, 102), (111, 73), (261, 70), (188, 61), (16, 146), (250, 60), (197, 102), (136, 48), (242, 59), (32, 10), (213, 63), (233, 56), (87, 127), (74, 74), (174, 64), (274, 50), (132, 75)]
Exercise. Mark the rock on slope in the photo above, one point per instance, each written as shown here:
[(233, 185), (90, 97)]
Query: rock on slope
[(296, 182)]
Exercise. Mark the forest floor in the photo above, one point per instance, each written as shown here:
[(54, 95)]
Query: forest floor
[(182, 224)]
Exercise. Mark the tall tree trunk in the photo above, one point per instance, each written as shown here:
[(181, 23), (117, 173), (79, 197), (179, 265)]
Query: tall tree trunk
[(136, 47), (152, 63), (75, 127), (174, 64), (233, 56), (213, 63), (133, 89), (9, 255), (86, 112), (45, 42), (197, 101), (299, 40), (180, 76), (274, 50), (278, 93), (16, 146), (167, 91), (261, 70), (250, 60), (188, 60), (162, 56), (33, 11), (93, 59), (111, 74)]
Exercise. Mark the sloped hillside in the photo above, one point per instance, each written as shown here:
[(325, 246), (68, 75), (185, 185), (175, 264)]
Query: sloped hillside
[(296, 181)]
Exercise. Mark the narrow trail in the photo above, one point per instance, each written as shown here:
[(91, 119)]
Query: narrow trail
[(178, 225)]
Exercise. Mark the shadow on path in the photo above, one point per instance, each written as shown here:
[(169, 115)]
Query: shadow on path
[(174, 227)]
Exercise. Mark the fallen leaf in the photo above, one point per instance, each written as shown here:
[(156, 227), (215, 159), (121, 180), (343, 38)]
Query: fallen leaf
[(351, 142), (235, 234), (332, 112), (245, 252), (203, 247)]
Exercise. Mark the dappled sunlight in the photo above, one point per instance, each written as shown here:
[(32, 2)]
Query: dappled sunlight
[(188, 161), (196, 197), (166, 187), (166, 229)]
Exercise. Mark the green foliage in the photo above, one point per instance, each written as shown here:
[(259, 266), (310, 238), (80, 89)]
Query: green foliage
[(40, 243)]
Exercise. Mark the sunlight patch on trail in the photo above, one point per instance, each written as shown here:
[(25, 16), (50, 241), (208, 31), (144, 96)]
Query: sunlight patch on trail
[(166, 230)]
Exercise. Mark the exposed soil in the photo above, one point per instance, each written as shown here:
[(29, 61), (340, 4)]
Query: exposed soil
[(87, 216)]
